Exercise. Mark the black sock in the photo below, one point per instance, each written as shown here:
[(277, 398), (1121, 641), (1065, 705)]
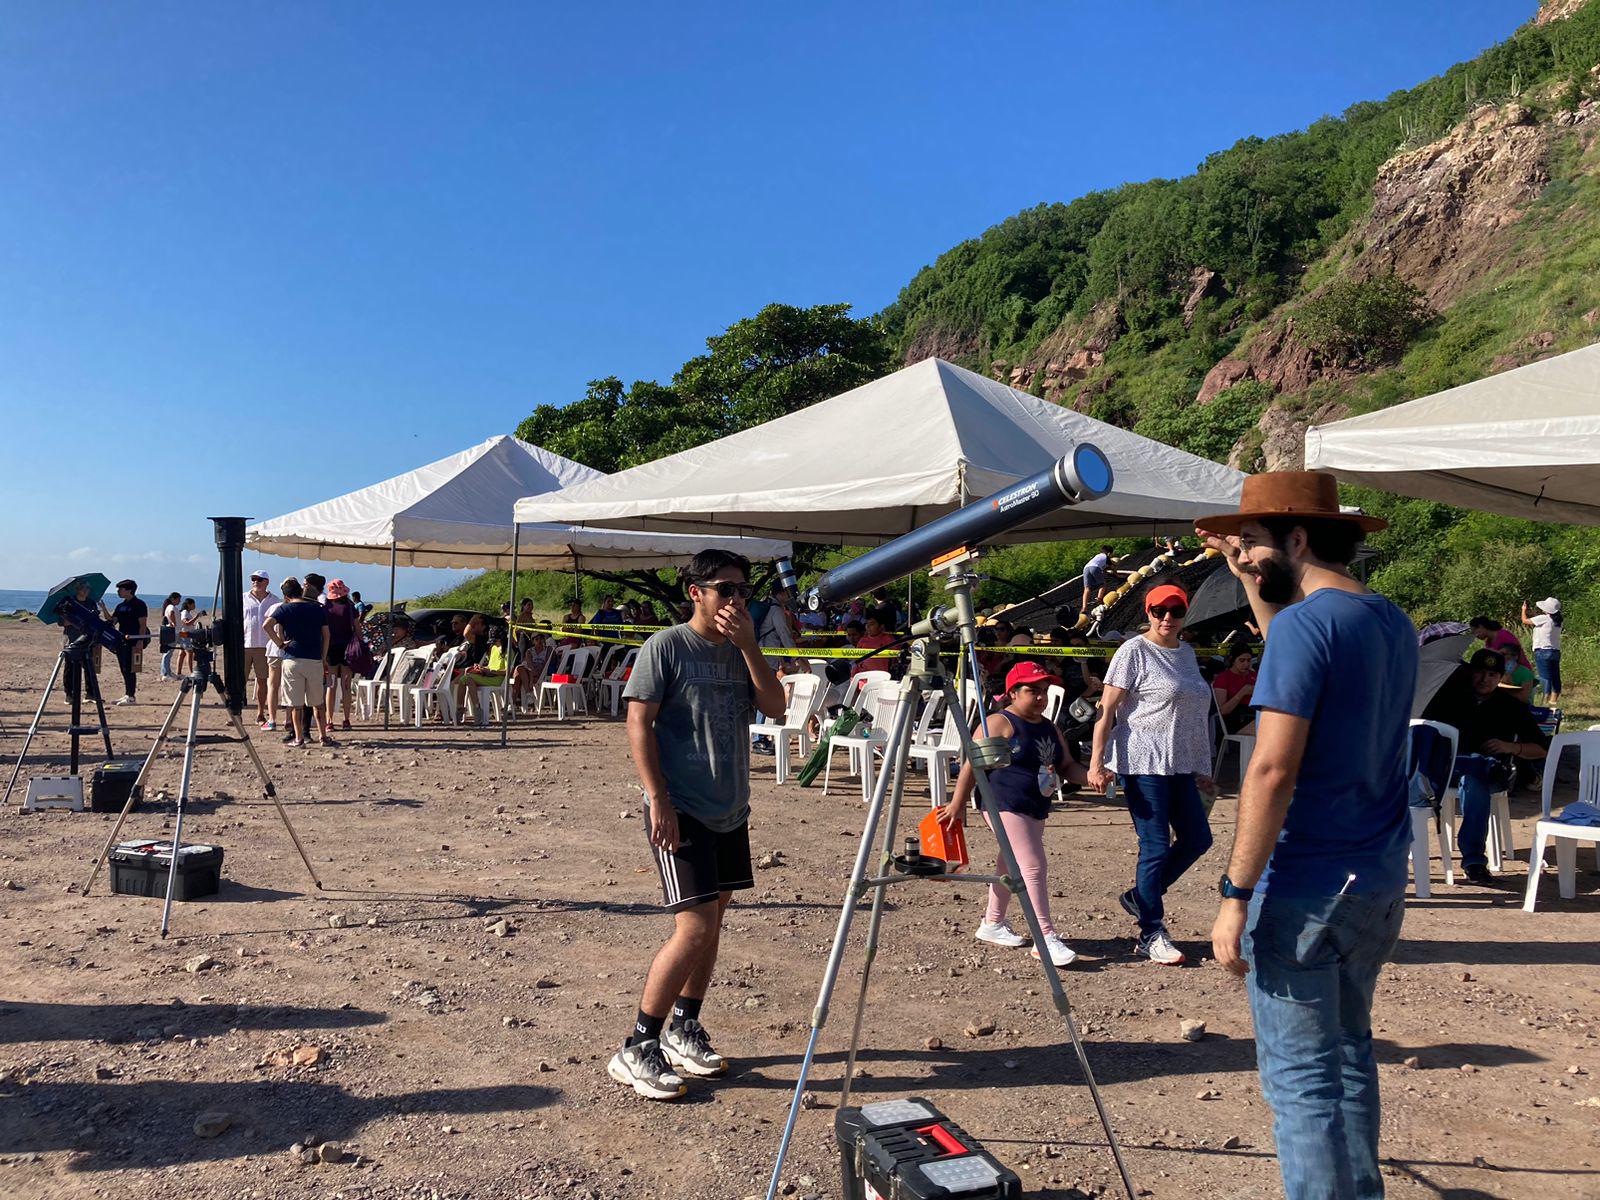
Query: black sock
[(687, 1009), (645, 1027)]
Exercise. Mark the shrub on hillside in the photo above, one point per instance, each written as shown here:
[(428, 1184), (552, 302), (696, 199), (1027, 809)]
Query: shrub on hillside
[(1364, 320)]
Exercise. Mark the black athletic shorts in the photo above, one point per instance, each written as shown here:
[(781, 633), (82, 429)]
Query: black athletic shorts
[(705, 863)]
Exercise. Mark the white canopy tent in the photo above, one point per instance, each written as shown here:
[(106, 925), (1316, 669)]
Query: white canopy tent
[(1524, 443), (885, 458), (457, 512)]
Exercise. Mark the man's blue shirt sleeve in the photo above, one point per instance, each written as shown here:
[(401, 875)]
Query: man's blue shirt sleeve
[(1292, 666)]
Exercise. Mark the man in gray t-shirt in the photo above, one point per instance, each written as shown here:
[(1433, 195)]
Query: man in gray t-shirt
[(693, 693)]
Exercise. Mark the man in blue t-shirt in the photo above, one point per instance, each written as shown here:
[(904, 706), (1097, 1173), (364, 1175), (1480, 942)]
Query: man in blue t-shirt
[(1315, 889)]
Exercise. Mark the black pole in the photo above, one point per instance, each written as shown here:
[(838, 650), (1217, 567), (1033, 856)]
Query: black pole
[(230, 630)]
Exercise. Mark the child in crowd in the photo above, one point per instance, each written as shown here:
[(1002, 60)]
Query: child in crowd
[(1022, 791)]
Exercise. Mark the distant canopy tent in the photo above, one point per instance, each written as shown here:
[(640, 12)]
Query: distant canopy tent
[(457, 512), (866, 466), (1524, 443)]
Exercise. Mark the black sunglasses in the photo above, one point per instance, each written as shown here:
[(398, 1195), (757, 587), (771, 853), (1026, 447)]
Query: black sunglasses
[(1168, 610), (727, 589)]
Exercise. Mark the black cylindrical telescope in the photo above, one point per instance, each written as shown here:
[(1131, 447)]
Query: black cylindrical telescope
[(1085, 474), (229, 632)]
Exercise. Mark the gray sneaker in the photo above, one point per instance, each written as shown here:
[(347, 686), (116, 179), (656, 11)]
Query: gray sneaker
[(689, 1049), (643, 1068), (1158, 948)]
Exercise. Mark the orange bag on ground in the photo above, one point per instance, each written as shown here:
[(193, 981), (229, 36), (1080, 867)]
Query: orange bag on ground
[(938, 841)]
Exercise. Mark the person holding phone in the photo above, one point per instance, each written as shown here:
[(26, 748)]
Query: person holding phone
[(691, 697)]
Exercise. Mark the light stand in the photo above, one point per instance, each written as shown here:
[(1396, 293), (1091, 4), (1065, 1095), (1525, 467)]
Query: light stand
[(926, 677), (230, 540)]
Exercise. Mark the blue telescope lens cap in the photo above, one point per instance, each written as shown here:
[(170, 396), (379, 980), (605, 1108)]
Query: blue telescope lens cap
[(1093, 469)]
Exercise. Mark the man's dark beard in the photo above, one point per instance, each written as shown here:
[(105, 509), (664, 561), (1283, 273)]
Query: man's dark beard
[(1277, 581)]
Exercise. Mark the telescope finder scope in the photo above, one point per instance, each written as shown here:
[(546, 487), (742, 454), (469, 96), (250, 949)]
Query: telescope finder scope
[(1081, 476)]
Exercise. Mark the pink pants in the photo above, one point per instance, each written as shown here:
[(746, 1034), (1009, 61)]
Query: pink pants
[(1027, 843)]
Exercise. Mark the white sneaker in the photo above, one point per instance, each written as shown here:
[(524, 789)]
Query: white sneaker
[(1060, 953), (126, 700), (1158, 948), (999, 933), (644, 1068), (688, 1048)]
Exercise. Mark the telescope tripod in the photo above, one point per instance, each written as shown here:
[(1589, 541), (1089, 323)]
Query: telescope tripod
[(924, 678), (193, 686), (77, 657)]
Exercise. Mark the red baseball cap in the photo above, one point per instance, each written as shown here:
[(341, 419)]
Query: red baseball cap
[(1167, 593), (1028, 672)]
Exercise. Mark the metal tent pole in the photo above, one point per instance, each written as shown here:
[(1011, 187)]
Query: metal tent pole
[(510, 684), (393, 550)]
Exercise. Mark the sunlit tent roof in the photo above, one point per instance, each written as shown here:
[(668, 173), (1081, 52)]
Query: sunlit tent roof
[(456, 512), (871, 464), (1524, 443)]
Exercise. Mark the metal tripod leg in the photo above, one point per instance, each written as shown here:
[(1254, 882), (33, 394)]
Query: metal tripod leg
[(875, 919), (1013, 877), (138, 783), (271, 793), (33, 728), (892, 750), (93, 677), (183, 797)]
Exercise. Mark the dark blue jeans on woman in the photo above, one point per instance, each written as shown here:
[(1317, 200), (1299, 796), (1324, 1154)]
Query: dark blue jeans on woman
[(1548, 664), (1158, 803)]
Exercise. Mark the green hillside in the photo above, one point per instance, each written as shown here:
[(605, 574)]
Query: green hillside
[(1408, 244)]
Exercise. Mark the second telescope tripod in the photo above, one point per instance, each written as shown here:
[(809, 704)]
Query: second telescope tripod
[(193, 686), (924, 678)]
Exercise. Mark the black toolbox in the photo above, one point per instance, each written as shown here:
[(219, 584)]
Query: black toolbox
[(111, 782), (141, 868), (908, 1150)]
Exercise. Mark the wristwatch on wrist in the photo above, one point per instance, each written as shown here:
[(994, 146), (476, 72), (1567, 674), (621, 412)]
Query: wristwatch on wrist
[(1231, 891)]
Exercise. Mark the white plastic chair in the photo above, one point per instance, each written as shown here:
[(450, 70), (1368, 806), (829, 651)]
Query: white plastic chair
[(1588, 744), (925, 732), (569, 698), (438, 695), (605, 658), (1422, 821), (368, 690), (1566, 837), (939, 754), (1247, 746), (805, 693), (398, 694), (617, 679), (1499, 841), (882, 700)]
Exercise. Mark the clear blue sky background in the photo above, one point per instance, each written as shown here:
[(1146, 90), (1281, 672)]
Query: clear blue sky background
[(254, 257)]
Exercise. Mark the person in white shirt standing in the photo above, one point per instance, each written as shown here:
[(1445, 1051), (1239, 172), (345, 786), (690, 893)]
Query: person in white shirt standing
[(258, 605), (1546, 626)]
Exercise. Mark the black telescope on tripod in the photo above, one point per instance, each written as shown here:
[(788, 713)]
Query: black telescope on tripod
[(1076, 478)]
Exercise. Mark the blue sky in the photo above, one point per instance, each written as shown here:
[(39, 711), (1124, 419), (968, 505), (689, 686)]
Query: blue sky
[(254, 257)]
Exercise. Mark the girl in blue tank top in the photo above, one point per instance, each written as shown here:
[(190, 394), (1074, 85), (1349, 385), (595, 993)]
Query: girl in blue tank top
[(1022, 793)]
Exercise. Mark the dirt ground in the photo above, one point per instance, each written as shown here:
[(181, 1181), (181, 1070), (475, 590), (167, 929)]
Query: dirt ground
[(449, 1057)]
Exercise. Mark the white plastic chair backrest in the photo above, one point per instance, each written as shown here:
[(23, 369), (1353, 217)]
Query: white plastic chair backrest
[(885, 700), (803, 691), (1589, 784), (1588, 743), (558, 664), (581, 662), (608, 655), (853, 692), (620, 667), (1448, 732), (442, 668), (931, 708), (1057, 700)]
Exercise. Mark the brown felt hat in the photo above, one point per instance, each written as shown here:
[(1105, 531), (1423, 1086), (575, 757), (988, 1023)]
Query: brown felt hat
[(1288, 494)]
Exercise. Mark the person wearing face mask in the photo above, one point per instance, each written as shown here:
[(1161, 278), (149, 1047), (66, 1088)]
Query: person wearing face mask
[(1154, 721), (1314, 894)]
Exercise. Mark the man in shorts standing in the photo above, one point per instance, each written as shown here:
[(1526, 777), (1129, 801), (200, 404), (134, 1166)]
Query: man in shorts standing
[(299, 628), (692, 691), (1096, 574)]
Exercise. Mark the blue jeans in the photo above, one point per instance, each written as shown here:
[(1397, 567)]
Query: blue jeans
[(1548, 664), (1314, 966), (1157, 803), (1472, 796)]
